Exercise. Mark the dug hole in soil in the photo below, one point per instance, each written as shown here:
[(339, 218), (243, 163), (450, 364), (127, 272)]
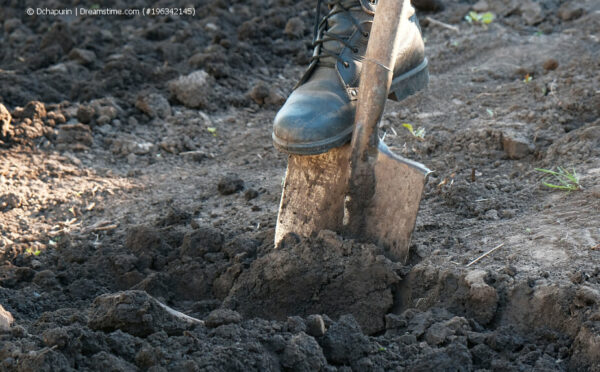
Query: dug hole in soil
[(139, 192)]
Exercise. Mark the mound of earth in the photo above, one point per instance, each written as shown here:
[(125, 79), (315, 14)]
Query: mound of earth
[(325, 275)]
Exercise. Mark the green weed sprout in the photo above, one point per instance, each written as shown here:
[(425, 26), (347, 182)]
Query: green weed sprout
[(419, 133), (37, 252), (482, 18), (212, 130), (566, 181)]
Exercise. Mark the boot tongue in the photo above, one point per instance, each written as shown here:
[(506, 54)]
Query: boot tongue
[(341, 25)]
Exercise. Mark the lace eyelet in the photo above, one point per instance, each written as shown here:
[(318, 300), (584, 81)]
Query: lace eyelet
[(346, 64), (355, 50), (365, 34)]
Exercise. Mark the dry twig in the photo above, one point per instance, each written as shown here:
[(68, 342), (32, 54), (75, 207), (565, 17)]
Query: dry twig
[(442, 24), (485, 254)]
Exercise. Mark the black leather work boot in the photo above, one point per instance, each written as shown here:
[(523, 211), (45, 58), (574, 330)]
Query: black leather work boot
[(319, 114)]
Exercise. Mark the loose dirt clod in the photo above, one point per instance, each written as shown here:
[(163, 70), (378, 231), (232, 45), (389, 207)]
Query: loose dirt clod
[(230, 184), (136, 313), (191, 90), (6, 319), (5, 119)]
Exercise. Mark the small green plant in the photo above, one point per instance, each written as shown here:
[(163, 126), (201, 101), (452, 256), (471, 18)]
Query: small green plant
[(419, 133), (565, 181), (527, 78), (490, 112), (481, 18), (212, 130), (37, 252)]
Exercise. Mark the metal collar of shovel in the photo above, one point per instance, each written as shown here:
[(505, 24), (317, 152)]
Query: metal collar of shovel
[(361, 190)]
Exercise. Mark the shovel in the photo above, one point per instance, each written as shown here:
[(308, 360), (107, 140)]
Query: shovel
[(361, 190)]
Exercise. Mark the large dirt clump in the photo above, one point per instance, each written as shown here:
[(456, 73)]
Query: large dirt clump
[(323, 275)]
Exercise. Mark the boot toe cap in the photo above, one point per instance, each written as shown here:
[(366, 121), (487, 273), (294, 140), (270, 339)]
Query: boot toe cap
[(313, 123)]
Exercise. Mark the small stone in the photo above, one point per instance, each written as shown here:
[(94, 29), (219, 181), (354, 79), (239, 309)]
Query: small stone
[(154, 105), (550, 64), (5, 119), (230, 184), (315, 325), (294, 27), (82, 56), (481, 6), (250, 194), (515, 145), (220, 317), (6, 320), (85, 114)]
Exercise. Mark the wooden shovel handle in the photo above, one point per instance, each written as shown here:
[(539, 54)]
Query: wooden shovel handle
[(375, 82), (376, 74)]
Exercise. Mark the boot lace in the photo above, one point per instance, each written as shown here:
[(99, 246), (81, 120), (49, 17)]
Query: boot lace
[(321, 35)]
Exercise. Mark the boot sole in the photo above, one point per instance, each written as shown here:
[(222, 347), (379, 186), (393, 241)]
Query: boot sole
[(402, 86)]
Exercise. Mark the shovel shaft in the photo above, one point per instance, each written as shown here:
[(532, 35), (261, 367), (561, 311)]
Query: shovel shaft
[(376, 74), (376, 79)]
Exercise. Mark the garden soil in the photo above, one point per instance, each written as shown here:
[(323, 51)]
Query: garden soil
[(138, 183)]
